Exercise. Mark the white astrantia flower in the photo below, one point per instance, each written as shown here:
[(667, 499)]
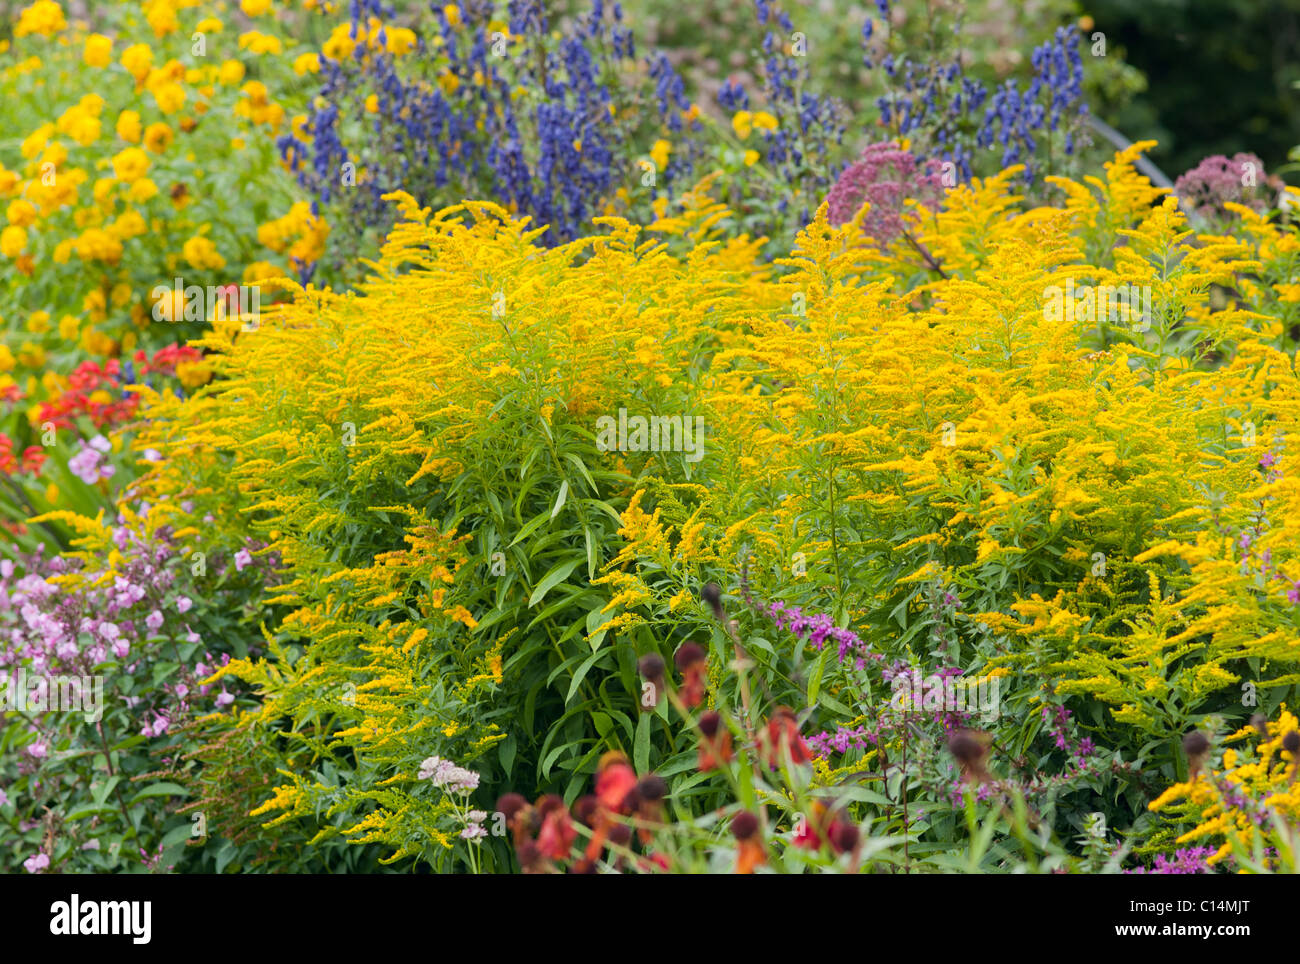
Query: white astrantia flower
[(447, 775)]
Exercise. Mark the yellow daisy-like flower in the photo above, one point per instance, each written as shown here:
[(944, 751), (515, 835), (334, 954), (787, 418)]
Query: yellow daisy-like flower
[(138, 61), (202, 254), (157, 137), (98, 51), (660, 152), (131, 164), (129, 127), (13, 240), (44, 17)]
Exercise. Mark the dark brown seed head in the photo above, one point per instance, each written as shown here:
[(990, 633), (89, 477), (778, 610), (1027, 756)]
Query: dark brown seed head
[(652, 787), (709, 723), (548, 803), (712, 595), (688, 654), (528, 853), (844, 837), (966, 748), (510, 804), (585, 808), (745, 825), (1196, 744), (1291, 742), (651, 666), (620, 834)]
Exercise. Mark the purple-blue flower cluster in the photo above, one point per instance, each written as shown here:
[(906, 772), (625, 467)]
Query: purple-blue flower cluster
[(952, 116), (547, 127)]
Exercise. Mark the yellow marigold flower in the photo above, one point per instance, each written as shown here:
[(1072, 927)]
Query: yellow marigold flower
[(13, 240), (38, 322), (44, 17), (256, 92), (129, 127), (208, 25), (230, 73), (751, 158), (452, 13), (340, 44), (98, 51), (202, 254), (254, 8), (306, 64), (256, 42), (764, 121), (21, 212), (401, 40), (142, 190), (130, 164), (138, 60), (157, 137), (96, 244), (35, 142), (129, 225), (660, 152), (169, 97), (161, 18), (372, 104)]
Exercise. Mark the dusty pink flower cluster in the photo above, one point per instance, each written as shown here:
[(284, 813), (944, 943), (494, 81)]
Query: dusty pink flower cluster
[(884, 176)]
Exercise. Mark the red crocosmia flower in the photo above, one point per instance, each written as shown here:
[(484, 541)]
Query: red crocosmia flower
[(693, 664), (33, 458), (7, 463), (555, 839), (615, 782), (782, 737), (11, 393)]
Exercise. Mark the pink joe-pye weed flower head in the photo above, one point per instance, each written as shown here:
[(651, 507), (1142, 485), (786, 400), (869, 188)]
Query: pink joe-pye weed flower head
[(183, 604), (884, 176), (242, 558)]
